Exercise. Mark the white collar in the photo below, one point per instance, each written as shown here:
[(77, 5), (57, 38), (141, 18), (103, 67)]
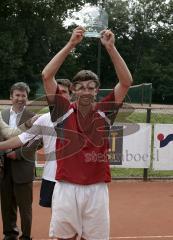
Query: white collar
[(13, 112)]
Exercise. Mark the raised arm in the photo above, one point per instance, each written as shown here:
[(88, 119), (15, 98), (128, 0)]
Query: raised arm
[(49, 72), (122, 71)]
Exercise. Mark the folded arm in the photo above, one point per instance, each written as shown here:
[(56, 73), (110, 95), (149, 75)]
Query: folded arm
[(13, 142), (7, 131)]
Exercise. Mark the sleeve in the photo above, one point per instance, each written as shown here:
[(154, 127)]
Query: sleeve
[(33, 136), (34, 132), (26, 137), (59, 107), (109, 106)]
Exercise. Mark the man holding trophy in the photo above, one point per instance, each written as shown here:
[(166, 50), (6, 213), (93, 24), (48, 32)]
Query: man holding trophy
[(80, 205)]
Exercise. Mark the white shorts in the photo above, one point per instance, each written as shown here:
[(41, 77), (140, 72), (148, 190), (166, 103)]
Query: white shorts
[(81, 209)]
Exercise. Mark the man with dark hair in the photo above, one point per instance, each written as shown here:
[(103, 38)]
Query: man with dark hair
[(43, 128), (19, 165), (64, 82), (21, 86), (80, 205)]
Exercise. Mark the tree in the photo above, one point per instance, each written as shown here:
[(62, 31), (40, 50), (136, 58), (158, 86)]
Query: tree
[(29, 37), (32, 32), (151, 32)]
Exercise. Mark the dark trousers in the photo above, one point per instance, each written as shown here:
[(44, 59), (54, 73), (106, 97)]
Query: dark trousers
[(15, 195)]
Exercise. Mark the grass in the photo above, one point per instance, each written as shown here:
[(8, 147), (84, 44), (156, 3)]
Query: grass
[(134, 172), (127, 173), (137, 117), (39, 172)]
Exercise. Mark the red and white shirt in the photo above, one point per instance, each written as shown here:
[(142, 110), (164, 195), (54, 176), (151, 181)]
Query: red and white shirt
[(82, 141)]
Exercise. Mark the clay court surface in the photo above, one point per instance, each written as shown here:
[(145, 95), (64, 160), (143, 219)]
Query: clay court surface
[(139, 210)]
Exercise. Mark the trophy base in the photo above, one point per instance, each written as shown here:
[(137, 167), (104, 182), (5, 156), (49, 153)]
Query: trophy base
[(92, 34)]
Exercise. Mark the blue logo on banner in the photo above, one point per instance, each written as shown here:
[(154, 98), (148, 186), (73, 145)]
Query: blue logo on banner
[(164, 140)]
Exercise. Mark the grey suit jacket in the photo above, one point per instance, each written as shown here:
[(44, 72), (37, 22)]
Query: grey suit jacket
[(23, 168)]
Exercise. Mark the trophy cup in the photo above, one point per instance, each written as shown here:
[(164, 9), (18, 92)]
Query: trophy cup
[(95, 20)]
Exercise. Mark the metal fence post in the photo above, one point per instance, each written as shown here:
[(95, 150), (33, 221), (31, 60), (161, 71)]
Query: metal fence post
[(148, 120)]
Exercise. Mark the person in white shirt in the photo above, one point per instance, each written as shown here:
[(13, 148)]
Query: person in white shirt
[(43, 128)]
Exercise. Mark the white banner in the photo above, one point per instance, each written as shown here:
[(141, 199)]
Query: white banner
[(163, 147), (134, 149)]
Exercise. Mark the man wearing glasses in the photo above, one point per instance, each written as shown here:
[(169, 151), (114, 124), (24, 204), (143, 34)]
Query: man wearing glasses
[(80, 205)]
